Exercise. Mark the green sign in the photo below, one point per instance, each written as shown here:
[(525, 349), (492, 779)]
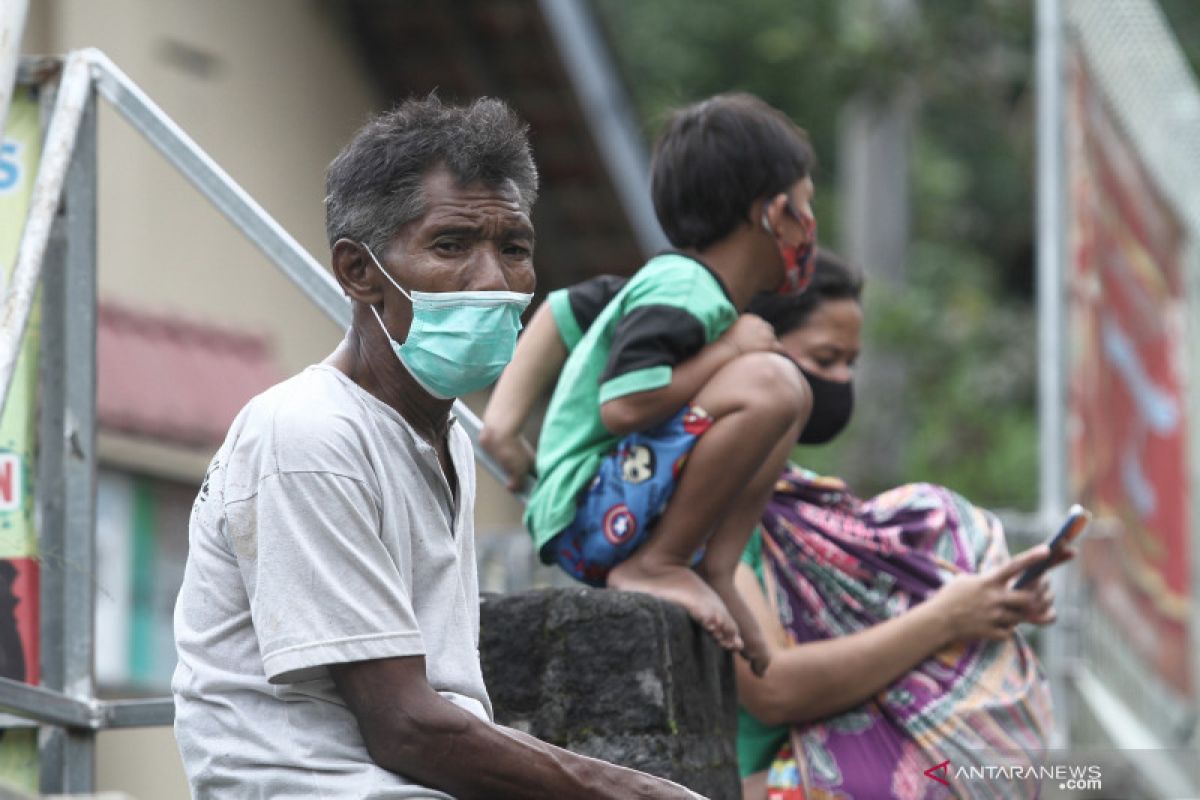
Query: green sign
[(20, 150)]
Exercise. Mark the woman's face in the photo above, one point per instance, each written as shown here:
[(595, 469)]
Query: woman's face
[(827, 343)]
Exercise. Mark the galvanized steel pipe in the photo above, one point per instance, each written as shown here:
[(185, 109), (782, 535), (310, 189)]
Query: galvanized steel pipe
[(57, 150)]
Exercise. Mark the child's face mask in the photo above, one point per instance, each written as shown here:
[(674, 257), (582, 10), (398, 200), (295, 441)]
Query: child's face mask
[(799, 260)]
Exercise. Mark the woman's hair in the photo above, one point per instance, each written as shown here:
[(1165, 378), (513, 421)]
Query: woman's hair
[(714, 158), (374, 186), (833, 279)]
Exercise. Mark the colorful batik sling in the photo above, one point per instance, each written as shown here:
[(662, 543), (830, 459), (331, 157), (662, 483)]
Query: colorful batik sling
[(835, 564)]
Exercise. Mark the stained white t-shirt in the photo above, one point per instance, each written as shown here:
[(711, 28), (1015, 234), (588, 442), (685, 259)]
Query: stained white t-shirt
[(324, 532)]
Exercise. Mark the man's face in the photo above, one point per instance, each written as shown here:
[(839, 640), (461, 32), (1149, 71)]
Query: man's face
[(471, 238)]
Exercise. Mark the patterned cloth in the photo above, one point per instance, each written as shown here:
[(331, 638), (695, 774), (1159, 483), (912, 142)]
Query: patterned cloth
[(835, 564)]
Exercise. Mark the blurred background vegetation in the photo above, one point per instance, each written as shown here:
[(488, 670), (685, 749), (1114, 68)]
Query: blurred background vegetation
[(961, 322)]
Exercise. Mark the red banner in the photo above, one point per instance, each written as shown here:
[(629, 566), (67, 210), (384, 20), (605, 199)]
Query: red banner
[(19, 619), (1127, 404)]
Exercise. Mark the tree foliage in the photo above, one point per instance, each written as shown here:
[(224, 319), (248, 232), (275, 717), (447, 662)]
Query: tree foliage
[(962, 325)]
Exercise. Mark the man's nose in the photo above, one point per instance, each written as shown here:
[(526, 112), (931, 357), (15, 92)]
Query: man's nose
[(487, 273), (491, 271)]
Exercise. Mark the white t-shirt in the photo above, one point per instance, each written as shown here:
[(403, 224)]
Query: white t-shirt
[(325, 532)]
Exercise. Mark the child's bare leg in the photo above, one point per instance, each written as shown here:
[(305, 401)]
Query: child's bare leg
[(755, 401), (729, 540)]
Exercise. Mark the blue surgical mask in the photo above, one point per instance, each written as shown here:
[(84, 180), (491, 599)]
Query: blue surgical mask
[(459, 342)]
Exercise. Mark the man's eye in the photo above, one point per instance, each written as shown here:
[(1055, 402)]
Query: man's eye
[(518, 251), (448, 246)]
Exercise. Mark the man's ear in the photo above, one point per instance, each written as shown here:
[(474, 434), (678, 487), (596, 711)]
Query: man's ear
[(355, 271)]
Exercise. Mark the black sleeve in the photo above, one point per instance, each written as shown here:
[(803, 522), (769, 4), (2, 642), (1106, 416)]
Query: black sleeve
[(653, 336), (589, 298)]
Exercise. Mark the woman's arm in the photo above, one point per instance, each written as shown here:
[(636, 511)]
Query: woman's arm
[(538, 359), (816, 679)]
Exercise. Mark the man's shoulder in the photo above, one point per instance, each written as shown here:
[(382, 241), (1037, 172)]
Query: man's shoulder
[(312, 421)]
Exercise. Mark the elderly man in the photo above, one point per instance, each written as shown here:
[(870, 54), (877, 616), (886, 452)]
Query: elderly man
[(328, 622)]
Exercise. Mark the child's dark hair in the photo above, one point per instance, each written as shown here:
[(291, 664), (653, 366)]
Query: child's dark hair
[(833, 279), (714, 158)]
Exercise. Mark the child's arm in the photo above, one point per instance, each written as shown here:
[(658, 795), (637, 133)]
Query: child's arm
[(641, 410), (539, 357)]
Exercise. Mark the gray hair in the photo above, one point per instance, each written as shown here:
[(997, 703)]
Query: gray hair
[(373, 187)]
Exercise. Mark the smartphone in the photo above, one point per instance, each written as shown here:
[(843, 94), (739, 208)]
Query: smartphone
[(1072, 528)]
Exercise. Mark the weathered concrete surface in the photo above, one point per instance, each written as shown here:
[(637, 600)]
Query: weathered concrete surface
[(619, 676)]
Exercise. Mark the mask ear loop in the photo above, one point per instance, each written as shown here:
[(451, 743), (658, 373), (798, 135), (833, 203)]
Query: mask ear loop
[(766, 224), (787, 206), (383, 271), (400, 288)]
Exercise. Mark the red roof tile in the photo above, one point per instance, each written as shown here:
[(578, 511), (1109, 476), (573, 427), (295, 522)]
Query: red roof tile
[(178, 382)]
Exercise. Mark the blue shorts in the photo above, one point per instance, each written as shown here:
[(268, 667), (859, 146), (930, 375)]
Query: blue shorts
[(627, 496)]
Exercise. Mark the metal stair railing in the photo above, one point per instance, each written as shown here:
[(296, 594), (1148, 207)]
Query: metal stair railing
[(57, 251)]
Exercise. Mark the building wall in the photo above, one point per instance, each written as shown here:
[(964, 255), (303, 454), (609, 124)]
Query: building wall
[(271, 90)]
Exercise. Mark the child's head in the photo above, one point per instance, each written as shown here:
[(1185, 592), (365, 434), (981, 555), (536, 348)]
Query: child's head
[(730, 161)]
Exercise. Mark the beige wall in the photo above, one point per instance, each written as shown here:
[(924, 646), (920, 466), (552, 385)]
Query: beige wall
[(143, 763), (271, 89)]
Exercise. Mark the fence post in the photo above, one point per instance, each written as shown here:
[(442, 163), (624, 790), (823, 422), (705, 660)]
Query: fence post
[(67, 468)]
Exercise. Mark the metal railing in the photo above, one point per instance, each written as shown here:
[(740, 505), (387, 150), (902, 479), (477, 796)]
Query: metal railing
[(57, 251)]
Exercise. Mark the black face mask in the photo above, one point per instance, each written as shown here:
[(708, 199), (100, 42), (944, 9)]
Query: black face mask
[(833, 403)]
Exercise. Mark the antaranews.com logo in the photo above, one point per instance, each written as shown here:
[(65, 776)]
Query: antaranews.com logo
[(1067, 777)]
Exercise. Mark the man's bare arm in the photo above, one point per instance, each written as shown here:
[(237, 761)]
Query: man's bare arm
[(412, 730)]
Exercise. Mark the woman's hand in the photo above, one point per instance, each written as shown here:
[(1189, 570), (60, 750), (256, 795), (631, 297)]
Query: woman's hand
[(985, 607), (511, 451), (1042, 612)]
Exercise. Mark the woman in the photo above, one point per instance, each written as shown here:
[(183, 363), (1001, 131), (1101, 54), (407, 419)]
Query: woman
[(890, 621)]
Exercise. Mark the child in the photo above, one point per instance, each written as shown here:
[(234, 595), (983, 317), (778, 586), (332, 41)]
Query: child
[(666, 372)]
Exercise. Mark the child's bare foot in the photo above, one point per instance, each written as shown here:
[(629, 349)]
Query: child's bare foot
[(758, 663), (680, 585), (754, 649)]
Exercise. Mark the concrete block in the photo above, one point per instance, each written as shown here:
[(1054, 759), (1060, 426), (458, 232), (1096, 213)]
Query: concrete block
[(619, 676)]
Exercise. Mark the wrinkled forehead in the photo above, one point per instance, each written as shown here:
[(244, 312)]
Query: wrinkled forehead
[(448, 202)]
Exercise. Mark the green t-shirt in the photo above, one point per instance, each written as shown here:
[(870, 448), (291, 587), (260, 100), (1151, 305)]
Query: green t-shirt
[(662, 316), (757, 742)]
